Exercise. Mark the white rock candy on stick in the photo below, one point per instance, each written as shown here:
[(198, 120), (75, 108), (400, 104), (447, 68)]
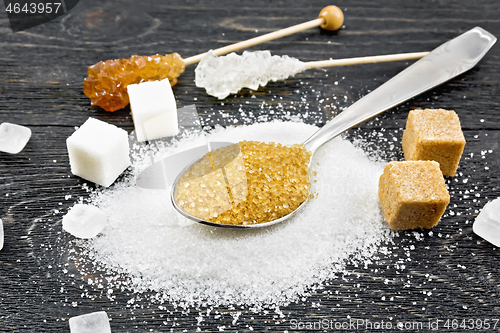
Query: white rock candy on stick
[(222, 76), (95, 322), (84, 221), (487, 223)]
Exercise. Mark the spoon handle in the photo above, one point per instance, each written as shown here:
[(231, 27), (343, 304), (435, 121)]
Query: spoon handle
[(443, 63)]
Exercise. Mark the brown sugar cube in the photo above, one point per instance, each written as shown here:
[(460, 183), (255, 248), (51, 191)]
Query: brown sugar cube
[(434, 135), (412, 194)]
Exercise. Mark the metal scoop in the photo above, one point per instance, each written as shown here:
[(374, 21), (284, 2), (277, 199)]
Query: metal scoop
[(445, 62)]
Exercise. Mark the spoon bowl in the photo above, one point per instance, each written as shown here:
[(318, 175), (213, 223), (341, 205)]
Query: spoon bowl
[(443, 63)]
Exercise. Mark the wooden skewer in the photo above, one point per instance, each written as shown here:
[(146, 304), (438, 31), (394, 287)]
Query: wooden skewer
[(365, 60), (330, 18)]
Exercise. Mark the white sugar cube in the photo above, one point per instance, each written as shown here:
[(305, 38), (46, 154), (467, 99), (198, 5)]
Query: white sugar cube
[(487, 223), (95, 322), (154, 109), (1, 234), (84, 221), (13, 137), (98, 152)]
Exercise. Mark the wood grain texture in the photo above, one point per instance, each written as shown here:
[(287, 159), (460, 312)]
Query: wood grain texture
[(41, 74)]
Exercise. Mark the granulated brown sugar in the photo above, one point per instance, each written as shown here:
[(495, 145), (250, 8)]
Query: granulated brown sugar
[(261, 183)]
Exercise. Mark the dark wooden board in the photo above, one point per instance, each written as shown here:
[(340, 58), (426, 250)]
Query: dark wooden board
[(41, 74)]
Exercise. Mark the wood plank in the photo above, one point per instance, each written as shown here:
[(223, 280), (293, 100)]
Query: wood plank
[(453, 274)]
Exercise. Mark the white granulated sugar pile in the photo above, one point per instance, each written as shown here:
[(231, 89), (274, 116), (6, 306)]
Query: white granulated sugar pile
[(155, 249)]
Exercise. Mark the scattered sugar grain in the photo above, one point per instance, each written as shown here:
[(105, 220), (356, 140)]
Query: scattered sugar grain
[(188, 263)]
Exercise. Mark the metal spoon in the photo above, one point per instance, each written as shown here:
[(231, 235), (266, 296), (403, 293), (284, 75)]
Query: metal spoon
[(445, 62)]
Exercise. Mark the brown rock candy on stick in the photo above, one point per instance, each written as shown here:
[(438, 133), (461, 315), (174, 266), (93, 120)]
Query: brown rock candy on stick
[(107, 81), (106, 84)]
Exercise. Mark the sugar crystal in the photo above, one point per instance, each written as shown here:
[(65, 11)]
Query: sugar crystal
[(487, 223), (222, 76), (95, 322), (147, 246), (13, 137), (1, 234), (84, 221)]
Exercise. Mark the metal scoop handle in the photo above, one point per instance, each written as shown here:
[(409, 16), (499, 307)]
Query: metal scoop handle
[(445, 62)]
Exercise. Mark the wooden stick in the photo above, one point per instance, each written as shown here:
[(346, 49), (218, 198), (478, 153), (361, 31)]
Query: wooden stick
[(330, 18), (365, 60), (257, 40)]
